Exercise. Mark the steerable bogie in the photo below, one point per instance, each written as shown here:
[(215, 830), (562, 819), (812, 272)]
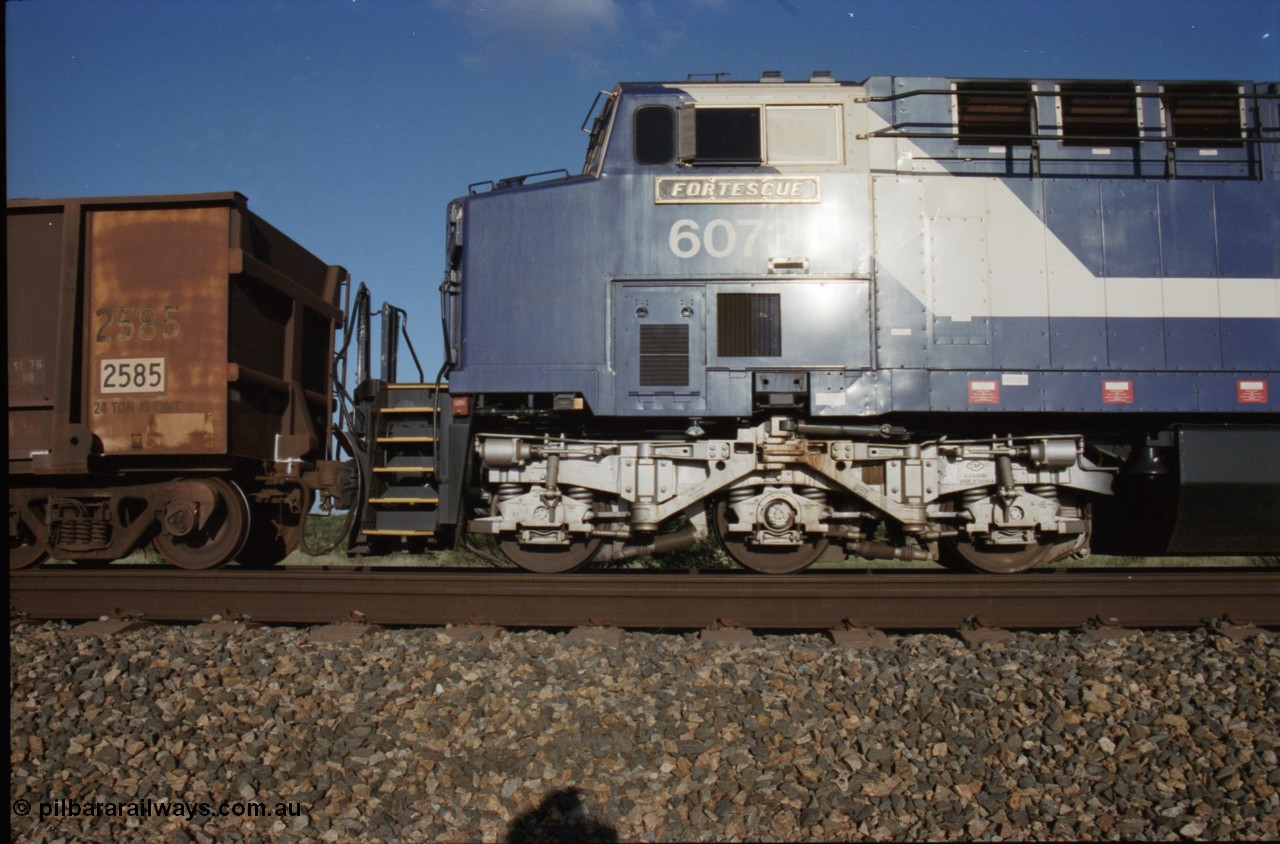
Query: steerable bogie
[(779, 494)]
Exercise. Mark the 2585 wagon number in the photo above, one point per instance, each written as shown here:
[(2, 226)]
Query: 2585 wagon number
[(118, 323), (132, 375)]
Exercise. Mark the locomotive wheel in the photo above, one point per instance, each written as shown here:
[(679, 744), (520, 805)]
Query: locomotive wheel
[(550, 559), (765, 560), (998, 559), (221, 538)]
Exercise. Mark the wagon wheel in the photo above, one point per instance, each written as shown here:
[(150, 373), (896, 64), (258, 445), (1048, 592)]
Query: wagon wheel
[(223, 535), (274, 532), (550, 559), (268, 542), (764, 559), (25, 550)]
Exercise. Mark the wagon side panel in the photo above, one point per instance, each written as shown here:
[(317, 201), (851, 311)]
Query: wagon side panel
[(156, 330), (34, 272)]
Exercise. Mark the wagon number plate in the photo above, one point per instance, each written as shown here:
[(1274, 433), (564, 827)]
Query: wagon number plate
[(132, 375)]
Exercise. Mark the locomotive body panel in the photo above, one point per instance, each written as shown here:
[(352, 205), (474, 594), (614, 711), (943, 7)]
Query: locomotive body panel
[(555, 260), (1051, 267)]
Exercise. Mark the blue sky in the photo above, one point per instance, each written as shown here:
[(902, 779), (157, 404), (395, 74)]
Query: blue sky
[(349, 124)]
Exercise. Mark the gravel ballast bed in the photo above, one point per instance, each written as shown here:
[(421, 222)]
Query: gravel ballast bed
[(411, 735)]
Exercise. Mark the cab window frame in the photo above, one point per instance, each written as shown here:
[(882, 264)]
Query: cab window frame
[(649, 137), (749, 143)]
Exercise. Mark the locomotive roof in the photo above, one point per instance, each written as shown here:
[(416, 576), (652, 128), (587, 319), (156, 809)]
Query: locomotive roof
[(822, 78)]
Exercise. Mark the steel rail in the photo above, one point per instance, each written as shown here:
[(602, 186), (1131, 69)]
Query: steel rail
[(876, 598)]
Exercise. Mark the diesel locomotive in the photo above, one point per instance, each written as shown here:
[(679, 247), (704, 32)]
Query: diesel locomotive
[(990, 323)]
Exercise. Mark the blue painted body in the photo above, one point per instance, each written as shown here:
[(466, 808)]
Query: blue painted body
[(930, 275)]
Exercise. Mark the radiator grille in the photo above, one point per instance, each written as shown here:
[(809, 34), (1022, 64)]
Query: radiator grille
[(749, 325), (664, 355)]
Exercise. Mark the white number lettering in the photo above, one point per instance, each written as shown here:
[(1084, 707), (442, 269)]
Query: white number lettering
[(730, 238), (753, 228), (722, 238), (784, 233), (683, 239)]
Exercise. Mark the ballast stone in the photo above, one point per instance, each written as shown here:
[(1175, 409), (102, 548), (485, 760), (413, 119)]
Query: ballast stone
[(411, 735)]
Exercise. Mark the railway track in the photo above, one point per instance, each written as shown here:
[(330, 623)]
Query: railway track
[(876, 598)]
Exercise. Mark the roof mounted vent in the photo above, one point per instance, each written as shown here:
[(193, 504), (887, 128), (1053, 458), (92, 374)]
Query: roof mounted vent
[(772, 76), (822, 76)]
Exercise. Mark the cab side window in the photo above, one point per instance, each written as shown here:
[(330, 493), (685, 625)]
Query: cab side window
[(802, 134), (720, 136), (655, 135), (724, 136)]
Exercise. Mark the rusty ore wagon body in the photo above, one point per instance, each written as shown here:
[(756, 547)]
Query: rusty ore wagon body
[(169, 379)]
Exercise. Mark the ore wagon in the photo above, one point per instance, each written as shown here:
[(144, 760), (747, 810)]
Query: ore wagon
[(169, 379)]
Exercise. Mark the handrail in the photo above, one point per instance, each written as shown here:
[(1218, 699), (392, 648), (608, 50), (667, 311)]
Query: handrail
[(1117, 140), (1101, 92), (1248, 135), (518, 181)]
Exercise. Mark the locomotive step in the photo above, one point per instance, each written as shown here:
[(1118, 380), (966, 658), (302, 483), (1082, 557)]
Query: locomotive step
[(406, 426), (408, 491), (413, 395), (406, 438), (412, 519), (407, 464)]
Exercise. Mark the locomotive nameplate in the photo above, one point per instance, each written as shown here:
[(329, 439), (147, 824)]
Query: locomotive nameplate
[(730, 190)]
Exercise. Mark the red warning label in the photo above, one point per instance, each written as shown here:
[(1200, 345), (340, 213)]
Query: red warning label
[(984, 392), (1117, 392), (1251, 392)]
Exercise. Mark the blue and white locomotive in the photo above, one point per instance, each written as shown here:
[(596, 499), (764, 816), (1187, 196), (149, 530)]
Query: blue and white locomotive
[(992, 323)]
